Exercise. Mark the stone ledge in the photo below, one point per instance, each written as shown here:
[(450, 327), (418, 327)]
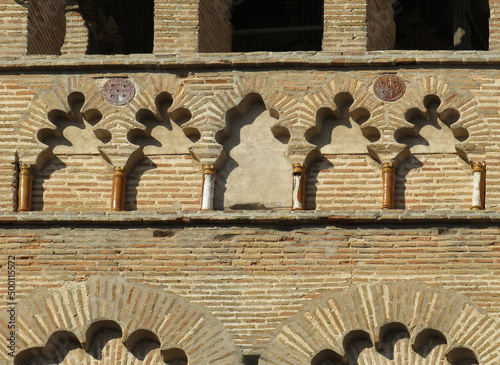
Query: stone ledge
[(251, 217), (151, 63)]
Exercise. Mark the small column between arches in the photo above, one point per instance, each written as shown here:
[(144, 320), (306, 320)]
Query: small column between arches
[(388, 184), (479, 189), (207, 195), (299, 187), (25, 188), (118, 190)]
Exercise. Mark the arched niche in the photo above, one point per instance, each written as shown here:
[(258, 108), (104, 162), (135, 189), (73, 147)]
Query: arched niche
[(253, 171)]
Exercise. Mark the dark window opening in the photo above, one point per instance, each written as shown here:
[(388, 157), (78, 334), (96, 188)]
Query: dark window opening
[(119, 26), (277, 25), (441, 24)]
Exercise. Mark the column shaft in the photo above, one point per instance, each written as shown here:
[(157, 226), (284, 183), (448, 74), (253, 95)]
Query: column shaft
[(209, 175), (299, 187), (25, 189), (389, 184), (119, 188)]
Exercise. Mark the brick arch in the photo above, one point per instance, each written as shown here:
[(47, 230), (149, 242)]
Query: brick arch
[(31, 151), (361, 94), (451, 98), (302, 151), (326, 323), (149, 90), (209, 113), (75, 307)]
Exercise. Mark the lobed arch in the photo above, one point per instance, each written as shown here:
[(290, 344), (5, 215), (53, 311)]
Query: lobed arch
[(64, 96), (113, 121), (73, 119), (210, 113), (369, 312), (450, 99), (340, 92), (139, 313), (253, 171)]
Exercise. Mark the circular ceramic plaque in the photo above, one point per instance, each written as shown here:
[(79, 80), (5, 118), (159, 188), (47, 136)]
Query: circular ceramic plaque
[(118, 91), (389, 87)]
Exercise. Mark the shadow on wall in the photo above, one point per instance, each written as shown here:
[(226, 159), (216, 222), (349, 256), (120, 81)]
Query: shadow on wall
[(134, 179), (411, 163), (339, 132), (316, 168), (39, 180), (255, 173)]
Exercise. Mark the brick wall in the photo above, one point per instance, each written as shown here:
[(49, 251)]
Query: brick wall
[(344, 26), (433, 182), (76, 37), (176, 27), (494, 25), (334, 183), (164, 183), (429, 179), (73, 183), (252, 270), (13, 28), (253, 276), (349, 26)]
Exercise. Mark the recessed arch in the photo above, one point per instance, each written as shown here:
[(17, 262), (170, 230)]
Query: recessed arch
[(137, 311), (325, 323), (253, 162)]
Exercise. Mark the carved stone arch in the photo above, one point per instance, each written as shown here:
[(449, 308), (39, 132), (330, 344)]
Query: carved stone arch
[(327, 322), (140, 312)]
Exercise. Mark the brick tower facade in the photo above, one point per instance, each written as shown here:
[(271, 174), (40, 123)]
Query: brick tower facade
[(247, 182)]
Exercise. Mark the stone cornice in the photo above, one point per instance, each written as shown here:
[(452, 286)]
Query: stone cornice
[(375, 59), (275, 218)]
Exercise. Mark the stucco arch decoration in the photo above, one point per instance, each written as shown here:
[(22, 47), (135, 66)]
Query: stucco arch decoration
[(365, 311), (209, 111), (109, 121), (136, 309), (353, 88), (451, 98)]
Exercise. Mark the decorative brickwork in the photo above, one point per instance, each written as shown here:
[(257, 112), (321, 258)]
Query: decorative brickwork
[(87, 309), (247, 208), (368, 314)]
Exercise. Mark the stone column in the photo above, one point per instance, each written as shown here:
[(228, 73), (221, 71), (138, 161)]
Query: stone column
[(479, 189), (389, 184), (119, 188), (299, 187), (209, 175), (25, 188)]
